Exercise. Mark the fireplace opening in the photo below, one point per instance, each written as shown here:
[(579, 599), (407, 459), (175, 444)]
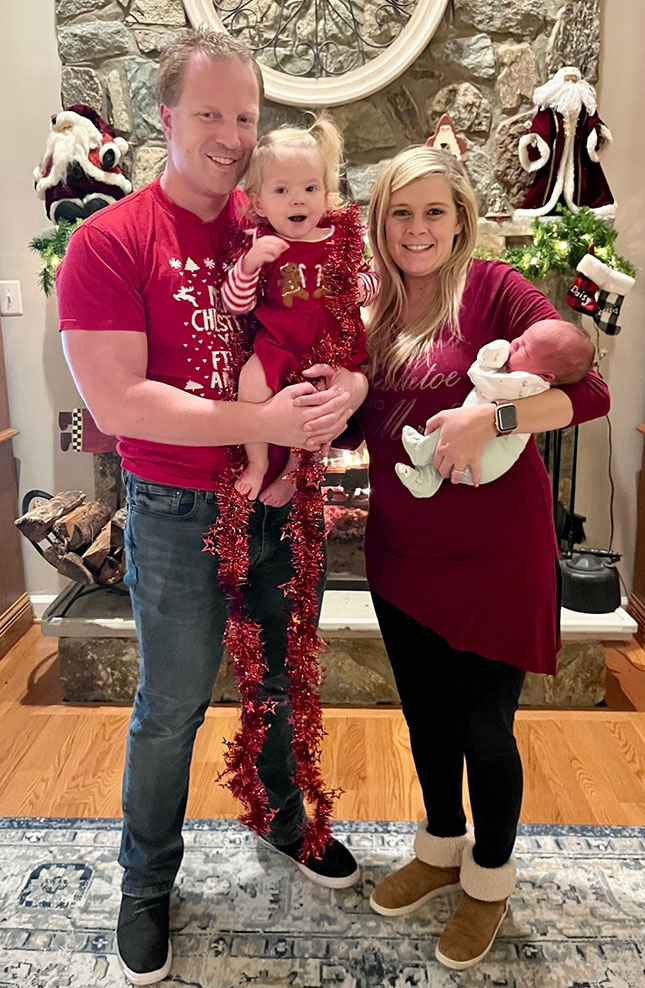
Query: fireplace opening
[(345, 492)]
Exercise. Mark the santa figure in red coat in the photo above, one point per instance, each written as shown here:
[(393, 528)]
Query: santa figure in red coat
[(563, 148), (80, 170)]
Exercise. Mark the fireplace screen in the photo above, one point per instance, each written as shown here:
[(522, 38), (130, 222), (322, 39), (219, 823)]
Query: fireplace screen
[(346, 493)]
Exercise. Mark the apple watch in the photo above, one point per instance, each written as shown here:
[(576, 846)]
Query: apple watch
[(505, 417)]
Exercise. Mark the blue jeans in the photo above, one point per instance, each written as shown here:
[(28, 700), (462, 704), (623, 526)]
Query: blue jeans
[(180, 614)]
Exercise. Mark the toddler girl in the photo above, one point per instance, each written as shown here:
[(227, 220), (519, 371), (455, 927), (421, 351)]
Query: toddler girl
[(303, 277)]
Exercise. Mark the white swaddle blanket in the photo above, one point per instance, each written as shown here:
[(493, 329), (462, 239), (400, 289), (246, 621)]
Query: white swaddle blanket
[(491, 383)]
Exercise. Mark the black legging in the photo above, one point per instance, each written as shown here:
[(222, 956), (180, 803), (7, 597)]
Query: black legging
[(458, 705)]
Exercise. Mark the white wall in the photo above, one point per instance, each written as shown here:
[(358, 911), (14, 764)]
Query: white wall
[(40, 385), (38, 380), (621, 95)]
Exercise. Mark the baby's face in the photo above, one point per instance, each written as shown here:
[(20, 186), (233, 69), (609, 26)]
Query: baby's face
[(535, 350), (292, 196)]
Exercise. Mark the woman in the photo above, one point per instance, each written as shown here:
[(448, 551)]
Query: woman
[(465, 585)]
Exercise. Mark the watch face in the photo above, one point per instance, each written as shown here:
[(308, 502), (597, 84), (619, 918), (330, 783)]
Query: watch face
[(506, 418)]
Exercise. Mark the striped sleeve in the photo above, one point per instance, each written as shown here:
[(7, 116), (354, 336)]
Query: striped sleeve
[(239, 290), (370, 282)]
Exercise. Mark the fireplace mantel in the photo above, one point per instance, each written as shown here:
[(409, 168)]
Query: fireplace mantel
[(345, 613)]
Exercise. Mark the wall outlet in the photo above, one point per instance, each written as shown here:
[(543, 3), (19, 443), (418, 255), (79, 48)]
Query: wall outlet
[(10, 298)]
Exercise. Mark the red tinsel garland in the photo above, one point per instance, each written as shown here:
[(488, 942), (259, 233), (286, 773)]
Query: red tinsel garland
[(304, 527), (229, 540)]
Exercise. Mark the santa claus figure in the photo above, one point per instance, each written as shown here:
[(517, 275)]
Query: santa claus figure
[(446, 137), (563, 148), (80, 171)]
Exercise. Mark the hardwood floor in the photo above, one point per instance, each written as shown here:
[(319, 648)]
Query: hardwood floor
[(66, 759), (626, 676)]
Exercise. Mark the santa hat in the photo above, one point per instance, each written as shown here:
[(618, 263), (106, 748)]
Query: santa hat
[(83, 110)]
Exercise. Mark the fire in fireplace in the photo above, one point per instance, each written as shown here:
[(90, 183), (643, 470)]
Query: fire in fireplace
[(346, 496)]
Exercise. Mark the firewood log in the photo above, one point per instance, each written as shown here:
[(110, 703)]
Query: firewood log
[(80, 527), (54, 552), (117, 538), (71, 565), (113, 569), (35, 524), (93, 556)]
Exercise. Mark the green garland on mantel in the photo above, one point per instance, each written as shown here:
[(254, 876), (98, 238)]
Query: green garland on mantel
[(52, 246), (559, 244)]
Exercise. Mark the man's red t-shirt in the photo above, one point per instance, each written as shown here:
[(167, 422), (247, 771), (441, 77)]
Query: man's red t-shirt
[(146, 265)]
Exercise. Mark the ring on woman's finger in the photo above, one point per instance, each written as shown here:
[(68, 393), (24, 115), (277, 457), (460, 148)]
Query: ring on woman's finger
[(462, 475)]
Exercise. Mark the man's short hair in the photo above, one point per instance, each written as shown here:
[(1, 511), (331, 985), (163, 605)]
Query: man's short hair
[(217, 45)]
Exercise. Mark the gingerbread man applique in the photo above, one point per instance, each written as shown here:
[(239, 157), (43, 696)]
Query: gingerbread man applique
[(292, 283), (322, 287)]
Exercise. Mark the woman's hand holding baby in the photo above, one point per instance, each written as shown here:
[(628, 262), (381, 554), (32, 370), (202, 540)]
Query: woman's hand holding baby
[(463, 435), (264, 251)]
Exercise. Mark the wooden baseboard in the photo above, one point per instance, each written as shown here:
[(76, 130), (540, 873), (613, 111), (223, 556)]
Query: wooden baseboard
[(636, 607), (15, 621)]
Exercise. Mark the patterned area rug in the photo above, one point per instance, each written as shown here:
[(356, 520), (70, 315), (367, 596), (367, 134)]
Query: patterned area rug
[(244, 917)]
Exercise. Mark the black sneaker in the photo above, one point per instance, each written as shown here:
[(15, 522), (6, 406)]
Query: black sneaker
[(142, 938), (336, 869)]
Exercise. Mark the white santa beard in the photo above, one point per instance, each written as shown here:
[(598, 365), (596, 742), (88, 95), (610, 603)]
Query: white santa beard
[(64, 146), (68, 147), (566, 98), (446, 139)]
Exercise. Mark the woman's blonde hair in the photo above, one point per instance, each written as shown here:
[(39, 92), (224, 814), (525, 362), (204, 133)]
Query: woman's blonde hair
[(393, 342), (323, 137)]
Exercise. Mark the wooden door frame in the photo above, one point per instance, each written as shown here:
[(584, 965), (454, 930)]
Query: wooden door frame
[(18, 616)]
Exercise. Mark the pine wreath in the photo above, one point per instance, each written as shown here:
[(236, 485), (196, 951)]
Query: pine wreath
[(52, 246)]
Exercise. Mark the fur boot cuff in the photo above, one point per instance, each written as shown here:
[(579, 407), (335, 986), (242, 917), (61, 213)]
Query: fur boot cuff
[(442, 852), (487, 884)]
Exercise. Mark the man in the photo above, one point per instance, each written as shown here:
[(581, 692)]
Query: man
[(151, 354)]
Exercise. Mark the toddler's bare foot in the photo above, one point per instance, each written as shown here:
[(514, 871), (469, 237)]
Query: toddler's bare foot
[(250, 481), (278, 493)]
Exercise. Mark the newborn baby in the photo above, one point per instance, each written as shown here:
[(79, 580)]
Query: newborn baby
[(548, 352)]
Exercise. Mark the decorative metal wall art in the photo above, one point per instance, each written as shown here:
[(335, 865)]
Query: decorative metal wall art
[(325, 52)]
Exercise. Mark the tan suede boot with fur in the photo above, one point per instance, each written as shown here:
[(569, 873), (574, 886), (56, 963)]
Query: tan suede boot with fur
[(471, 930), (469, 933), (434, 871)]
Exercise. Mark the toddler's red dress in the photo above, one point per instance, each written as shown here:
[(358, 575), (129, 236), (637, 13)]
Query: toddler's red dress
[(297, 300)]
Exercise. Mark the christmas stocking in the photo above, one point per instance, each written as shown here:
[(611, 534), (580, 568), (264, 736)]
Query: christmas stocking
[(611, 285), (582, 294), (610, 299)]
